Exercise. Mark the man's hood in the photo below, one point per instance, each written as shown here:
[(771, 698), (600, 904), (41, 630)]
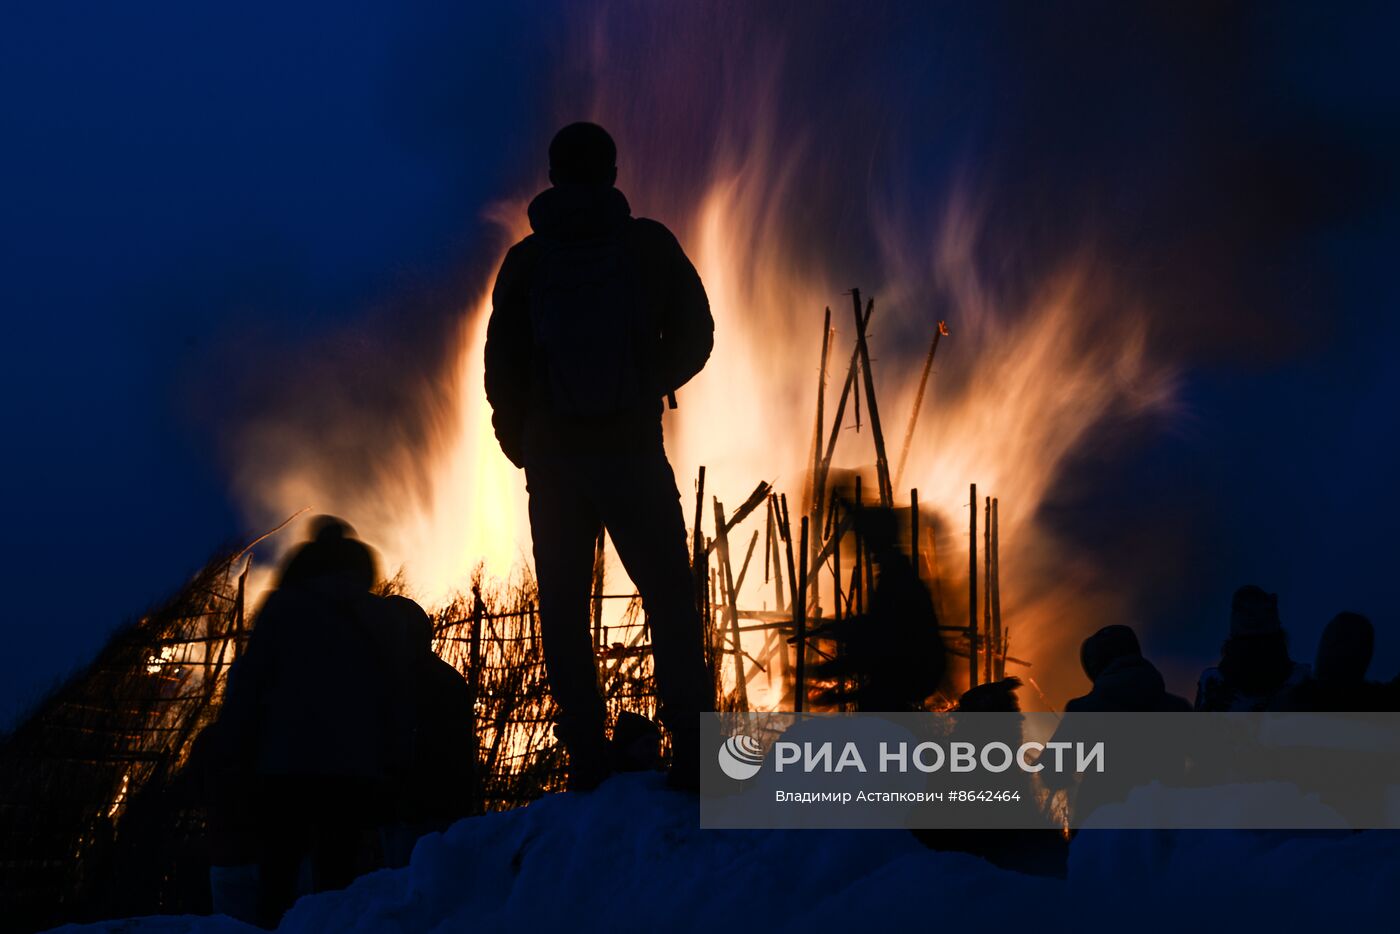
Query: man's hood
[(569, 211)]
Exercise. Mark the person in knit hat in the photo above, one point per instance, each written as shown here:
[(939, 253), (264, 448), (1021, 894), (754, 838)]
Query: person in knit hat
[(1255, 669)]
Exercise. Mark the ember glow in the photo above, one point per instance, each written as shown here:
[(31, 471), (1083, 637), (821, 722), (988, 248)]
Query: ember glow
[(1030, 372)]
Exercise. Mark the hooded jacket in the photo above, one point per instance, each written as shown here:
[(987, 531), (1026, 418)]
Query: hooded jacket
[(670, 290), (319, 689), (1128, 684)]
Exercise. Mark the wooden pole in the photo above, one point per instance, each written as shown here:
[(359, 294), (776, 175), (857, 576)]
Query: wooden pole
[(731, 604), (768, 549), (797, 589), (987, 640), (882, 464), (914, 552), (775, 517), (972, 590), (474, 651), (816, 499), (998, 639), (834, 543), (834, 539), (856, 397), (867, 590), (599, 582), (697, 555), (801, 693), (774, 535), (918, 403), (841, 403), (857, 587), (710, 606)]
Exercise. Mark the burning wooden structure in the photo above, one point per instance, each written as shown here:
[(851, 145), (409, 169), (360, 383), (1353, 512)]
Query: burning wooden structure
[(809, 554)]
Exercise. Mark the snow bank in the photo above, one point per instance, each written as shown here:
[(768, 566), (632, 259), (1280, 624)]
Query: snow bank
[(629, 857)]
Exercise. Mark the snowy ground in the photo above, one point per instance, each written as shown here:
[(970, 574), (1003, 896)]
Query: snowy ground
[(629, 857)]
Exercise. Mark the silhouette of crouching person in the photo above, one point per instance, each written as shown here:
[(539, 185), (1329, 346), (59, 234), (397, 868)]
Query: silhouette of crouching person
[(596, 317), (437, 782)]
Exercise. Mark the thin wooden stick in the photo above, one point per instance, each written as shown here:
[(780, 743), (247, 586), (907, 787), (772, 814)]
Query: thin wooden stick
[(270, 532), (731, 605), (817, 482), (914, 552), (797, 589), (833, 545), (918, 402), (698, 547), (998, 639), (801, 692), (882, 464), (599, 582), (474, 652), (972, 589), (816, 499), (857, 397), (768, 551), (867, 590), (841, 403), (857, 588), (988, 641), (776, 517), (779, 602)]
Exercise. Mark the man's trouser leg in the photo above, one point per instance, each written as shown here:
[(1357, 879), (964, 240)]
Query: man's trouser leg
[(641, 509), (565, 525)]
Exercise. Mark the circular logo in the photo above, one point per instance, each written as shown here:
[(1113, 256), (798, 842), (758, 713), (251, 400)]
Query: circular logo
[(740, 757)]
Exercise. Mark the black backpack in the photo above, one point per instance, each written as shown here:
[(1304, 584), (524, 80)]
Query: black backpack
[(592, 333)]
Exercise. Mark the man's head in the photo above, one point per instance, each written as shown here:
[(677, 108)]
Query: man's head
[(1254, 612), (582, 154), (332, 554), (1344, 651), (417, 625), (1106, 646)]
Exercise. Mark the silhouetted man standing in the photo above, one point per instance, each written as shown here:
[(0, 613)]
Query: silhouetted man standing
[(596, 317)]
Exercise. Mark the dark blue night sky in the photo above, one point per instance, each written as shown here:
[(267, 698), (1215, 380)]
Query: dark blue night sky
[(197, 195)]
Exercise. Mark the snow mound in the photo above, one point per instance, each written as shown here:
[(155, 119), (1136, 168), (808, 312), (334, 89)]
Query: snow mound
[(630, 857)]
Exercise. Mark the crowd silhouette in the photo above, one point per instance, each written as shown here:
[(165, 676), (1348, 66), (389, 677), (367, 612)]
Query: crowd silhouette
[(343, 737)]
